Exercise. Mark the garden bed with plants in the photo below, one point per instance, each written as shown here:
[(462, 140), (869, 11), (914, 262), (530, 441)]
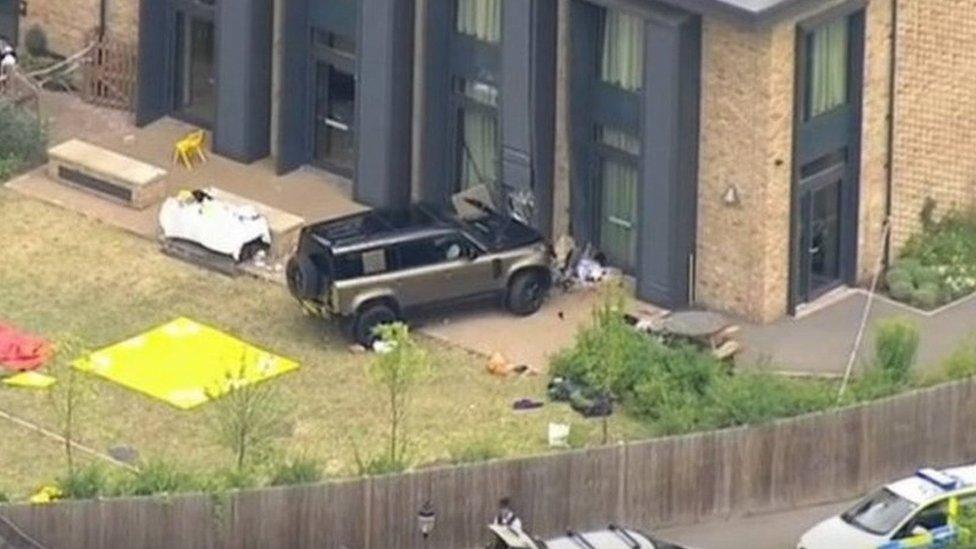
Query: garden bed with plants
[(681, 389), (22, 140), (938, 265)]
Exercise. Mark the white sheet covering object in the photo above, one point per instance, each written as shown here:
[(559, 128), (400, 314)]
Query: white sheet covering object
[(218, 226)]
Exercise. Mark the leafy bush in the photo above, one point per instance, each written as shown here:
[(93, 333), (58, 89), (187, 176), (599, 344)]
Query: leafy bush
[(938, 265), (22, 139), (299, 470), (381, 465), (3, 497), (895, 348), (961, 363), (677, 388), (87, 482), (35, 41), (485, 449), (157, 477)]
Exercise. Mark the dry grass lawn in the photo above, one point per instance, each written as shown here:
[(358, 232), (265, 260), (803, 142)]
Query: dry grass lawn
[(64, 275)]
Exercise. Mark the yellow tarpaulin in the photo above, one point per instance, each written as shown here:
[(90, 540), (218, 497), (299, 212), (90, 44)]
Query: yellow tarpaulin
[(184, 363), (30, 380)]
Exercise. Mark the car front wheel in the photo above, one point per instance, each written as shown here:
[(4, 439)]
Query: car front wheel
[(369, 317), (526, 293)]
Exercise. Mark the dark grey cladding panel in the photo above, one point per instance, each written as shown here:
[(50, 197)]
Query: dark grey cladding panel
[(385, 102), (243, 49), (294, 147), (151, 92)]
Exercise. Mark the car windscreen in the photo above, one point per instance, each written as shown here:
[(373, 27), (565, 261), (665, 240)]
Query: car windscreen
[(879, 513)]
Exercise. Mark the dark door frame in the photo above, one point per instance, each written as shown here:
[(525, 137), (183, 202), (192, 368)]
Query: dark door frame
[(10, 12), (190, 9), (342, 62), (817, 139)]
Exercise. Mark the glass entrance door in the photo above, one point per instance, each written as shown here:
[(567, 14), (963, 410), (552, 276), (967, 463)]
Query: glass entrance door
[(335, 108), (820, 252), (196, 80), (617, 236)]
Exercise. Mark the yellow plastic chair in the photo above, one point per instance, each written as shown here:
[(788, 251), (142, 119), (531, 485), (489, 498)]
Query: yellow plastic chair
[(190, 147)]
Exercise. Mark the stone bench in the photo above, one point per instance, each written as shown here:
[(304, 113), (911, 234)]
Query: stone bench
[(107, 174), (285, 227)]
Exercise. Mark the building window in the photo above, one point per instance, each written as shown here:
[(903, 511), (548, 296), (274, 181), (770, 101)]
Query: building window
[(621, 140), (478, 140), (827, 67), (481, 19), (618, 215), (622, 52)]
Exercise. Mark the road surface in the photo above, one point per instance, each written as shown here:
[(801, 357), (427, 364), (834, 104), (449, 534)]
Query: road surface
[(773, 531)]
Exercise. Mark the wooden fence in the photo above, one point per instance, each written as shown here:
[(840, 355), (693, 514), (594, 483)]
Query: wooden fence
[(678, 480), (109, 75)]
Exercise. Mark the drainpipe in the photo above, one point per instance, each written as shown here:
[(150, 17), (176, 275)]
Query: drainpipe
[(102, 18), (892, 90)]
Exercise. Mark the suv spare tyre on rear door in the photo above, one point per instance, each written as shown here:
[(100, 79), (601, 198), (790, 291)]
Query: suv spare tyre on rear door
[(526, 292), (368, 318), (304, 280)]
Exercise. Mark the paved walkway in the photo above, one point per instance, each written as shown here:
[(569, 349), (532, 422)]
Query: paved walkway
[(309, 193), (821, 341)]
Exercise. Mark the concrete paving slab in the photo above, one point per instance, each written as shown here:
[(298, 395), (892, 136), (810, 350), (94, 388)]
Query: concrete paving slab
[(487, 328), (821, 341)]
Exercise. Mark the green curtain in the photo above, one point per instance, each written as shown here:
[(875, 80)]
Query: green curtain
[(479, 148), (481, 19), (618, 226), (622, 59), (828, 68)]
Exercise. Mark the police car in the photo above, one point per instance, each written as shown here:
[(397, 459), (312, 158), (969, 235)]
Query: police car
[(612, 537), (918, 511)]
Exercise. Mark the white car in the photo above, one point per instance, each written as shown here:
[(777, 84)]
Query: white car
[(613, 537), (914, 512)]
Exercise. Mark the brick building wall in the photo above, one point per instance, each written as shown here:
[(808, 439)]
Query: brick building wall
[(935, 111), (69, 24), (748, 78)]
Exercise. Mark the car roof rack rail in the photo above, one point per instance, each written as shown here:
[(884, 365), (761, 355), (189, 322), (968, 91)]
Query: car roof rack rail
[(580, 539), (625, 535)]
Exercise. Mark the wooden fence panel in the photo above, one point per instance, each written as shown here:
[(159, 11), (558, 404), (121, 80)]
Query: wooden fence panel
[(109, 75), (813, 459)]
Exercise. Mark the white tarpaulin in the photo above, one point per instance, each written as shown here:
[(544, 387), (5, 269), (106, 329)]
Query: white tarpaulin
[(218, 226)]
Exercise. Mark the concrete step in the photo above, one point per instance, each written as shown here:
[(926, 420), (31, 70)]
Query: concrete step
[(107, 174)]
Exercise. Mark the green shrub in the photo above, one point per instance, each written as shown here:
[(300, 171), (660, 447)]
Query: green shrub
[(873, 384), (158, 477), (87, 482), (235, 478), (22, 139), (895, 348), (941, 262), (35, 41), (961, 363), (677, 388), (3, 497), (298, 470), (485, 449), (381, 465)]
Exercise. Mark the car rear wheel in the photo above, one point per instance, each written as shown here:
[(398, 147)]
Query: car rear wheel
[(303, 279), (526, 293), (369, 317)]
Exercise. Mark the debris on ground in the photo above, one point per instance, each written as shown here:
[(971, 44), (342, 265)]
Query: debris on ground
[(500, 366), (527, 404), (22, 352), (558, 435)]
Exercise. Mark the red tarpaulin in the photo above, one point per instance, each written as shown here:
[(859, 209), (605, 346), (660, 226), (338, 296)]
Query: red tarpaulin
[(22, 352)]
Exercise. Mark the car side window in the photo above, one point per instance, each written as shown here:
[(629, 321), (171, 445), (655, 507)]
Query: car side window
[(931, 518), (348, 266), (419, 253)]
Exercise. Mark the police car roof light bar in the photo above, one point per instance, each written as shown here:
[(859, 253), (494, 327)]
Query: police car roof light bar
[(938, 478)]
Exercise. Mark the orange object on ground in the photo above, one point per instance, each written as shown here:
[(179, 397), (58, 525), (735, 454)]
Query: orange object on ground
[(22, 352)]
